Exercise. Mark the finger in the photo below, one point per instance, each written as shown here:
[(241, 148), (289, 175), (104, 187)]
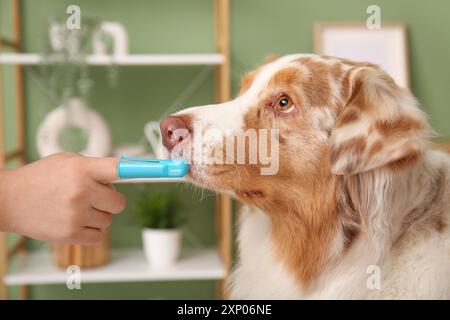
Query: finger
[(90, 236), (106, 199), (99, 219), (103, 169)]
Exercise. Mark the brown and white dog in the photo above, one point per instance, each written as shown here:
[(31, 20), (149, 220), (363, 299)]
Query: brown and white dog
[(360, 204)]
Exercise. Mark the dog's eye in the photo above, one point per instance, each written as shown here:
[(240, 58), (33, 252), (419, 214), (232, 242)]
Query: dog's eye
[(284, 104)]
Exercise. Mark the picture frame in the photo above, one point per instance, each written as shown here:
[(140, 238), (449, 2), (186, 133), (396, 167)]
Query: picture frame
[(386, 47)]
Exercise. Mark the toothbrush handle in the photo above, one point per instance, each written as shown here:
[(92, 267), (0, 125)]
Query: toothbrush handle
[(130, 168)]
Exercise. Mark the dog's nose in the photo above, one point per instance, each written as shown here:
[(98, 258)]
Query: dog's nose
[(173, 131)]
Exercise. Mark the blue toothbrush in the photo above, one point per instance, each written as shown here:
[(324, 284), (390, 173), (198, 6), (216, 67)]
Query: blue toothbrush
[(129, 168)]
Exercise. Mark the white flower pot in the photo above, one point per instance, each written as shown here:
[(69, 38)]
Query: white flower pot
[(161, 246)]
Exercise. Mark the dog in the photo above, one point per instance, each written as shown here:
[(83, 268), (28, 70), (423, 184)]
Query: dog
[(359, 206)]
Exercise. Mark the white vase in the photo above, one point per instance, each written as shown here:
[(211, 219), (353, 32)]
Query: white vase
[(161, 246)]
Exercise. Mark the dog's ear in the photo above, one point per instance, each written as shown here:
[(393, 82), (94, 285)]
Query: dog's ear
[(379, 125)]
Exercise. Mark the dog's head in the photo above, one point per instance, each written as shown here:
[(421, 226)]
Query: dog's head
[(295, 121)]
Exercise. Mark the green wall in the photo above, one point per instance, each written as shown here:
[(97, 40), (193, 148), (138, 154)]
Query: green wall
[(5, 27), (258, 28)]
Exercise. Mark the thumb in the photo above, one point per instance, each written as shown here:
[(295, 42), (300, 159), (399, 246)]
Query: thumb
[(103, 169)]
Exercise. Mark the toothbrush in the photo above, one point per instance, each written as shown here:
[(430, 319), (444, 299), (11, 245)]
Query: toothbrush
[(130, 168)]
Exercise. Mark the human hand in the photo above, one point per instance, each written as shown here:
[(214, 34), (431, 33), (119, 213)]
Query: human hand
[(64, 198)]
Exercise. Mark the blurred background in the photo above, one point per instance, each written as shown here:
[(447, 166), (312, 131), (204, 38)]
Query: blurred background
[(124, 98)]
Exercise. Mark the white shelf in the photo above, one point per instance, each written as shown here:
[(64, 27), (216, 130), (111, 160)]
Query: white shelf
[(151, 180), (133, 59), (126, 265)]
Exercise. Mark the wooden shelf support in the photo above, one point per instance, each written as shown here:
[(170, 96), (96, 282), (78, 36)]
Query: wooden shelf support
[(222, 93), (19, 153)]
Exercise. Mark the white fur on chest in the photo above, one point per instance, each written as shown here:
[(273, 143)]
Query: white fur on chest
[(420, 270), (259, 274)]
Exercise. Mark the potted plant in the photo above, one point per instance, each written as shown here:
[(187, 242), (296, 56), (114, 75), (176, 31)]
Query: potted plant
[(160, 213)]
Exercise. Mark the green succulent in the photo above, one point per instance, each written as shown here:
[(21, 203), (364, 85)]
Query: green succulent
[(159, 210)]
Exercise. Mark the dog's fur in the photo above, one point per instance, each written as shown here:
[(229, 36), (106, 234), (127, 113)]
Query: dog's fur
[(360, 192)]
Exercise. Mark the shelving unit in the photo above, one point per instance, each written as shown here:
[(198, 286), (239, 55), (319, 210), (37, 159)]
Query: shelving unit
[(125, 265), (128, 60)]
